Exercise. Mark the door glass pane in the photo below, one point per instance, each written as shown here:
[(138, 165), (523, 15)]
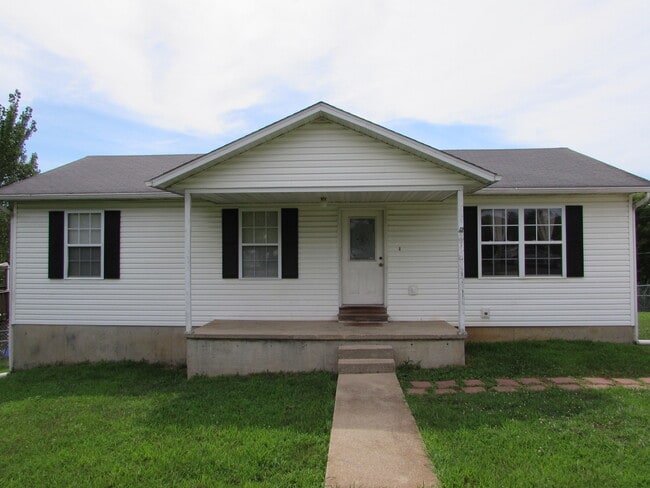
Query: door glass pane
[(362, 239)]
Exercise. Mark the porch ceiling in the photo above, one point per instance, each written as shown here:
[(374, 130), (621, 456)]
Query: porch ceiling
[(329, 196)]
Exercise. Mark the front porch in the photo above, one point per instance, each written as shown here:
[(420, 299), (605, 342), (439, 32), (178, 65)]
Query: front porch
[(228, 347)]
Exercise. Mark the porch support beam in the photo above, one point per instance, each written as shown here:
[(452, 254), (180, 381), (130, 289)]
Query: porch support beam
[(461, 261), (188, 262)]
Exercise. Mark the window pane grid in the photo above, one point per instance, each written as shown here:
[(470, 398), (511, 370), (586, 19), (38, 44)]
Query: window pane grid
[(259, 244), (84, 244), (521, 241), (259, 228), (543, 237), (500, 228)]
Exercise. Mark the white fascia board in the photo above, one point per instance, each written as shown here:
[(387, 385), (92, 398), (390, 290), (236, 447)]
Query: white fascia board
[(563, 191), (89, 196), (334, 114)]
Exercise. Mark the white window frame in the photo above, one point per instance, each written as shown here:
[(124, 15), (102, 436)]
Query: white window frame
[(67, 245), (521, 242), (242, 244)]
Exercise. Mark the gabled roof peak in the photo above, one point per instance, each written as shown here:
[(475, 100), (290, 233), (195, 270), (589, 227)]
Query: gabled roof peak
[(336, 115)]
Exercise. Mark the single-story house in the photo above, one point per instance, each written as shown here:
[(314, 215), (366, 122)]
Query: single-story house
[(257, 255)]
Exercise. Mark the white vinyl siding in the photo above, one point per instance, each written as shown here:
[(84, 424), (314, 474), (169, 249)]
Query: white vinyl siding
[(150, 288), (314, 295), (420, 257), (602, 297), (421, 252), (323, 154)]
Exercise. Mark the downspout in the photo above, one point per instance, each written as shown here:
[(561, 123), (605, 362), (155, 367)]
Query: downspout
[(637, 206)]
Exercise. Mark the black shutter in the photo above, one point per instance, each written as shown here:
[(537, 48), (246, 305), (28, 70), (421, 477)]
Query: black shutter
[(112, 244), (289, 243), (55, 245), (230, 243), (470, 218), (575, 266)]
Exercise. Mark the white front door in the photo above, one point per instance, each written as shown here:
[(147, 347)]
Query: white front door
[(362, 273)]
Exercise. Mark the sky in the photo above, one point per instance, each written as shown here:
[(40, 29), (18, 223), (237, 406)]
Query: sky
[(169, 77)]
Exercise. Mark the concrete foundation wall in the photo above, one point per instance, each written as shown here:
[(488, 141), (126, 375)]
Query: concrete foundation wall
[(599, 334), (37, 345), (229, 357)]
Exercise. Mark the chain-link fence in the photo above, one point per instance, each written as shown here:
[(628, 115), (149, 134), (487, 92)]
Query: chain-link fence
[(643, 298), (4, 314)]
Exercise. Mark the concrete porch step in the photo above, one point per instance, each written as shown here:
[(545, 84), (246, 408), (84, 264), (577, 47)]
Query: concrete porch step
[(365, 365), (366, 351)]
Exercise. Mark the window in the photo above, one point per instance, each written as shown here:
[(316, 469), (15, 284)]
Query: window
[(521, 241), (260, 244), (84, 244), (499, 241), (543, 241)]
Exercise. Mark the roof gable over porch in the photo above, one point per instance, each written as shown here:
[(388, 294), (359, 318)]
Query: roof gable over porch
[(325, 153)]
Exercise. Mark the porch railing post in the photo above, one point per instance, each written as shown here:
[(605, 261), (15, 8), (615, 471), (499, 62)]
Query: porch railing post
[(461, 261), (188, 262)]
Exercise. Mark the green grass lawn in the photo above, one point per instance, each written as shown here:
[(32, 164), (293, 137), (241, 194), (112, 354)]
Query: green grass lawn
[(644, 325), (126, 424), (551, 438)]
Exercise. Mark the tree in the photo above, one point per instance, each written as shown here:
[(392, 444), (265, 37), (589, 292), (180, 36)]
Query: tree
[(15, 129)]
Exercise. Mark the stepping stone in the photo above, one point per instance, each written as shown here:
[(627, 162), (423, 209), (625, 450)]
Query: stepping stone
[(447, 384), (626, 381), (597, 386), (535, 387), (445, 391), (569, 386), (645, 380), (507, 382), (530, 381), (473, 383), (421, 384), (505, 389), (473, 389), (599, 381), (562, 380)]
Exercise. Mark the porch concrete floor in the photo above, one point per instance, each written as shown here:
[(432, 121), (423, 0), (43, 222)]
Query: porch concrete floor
[(325, 330)]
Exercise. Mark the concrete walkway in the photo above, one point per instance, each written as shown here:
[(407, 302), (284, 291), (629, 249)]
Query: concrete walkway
[(374, 441)]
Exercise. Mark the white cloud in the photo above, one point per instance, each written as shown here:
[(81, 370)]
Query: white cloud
[(559, 73)]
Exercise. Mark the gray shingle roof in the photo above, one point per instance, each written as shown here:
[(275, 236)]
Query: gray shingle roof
[(97, 175), (555, 168), (548, 168)]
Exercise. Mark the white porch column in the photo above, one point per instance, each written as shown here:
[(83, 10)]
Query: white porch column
[(188, 262), (461, 261)]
